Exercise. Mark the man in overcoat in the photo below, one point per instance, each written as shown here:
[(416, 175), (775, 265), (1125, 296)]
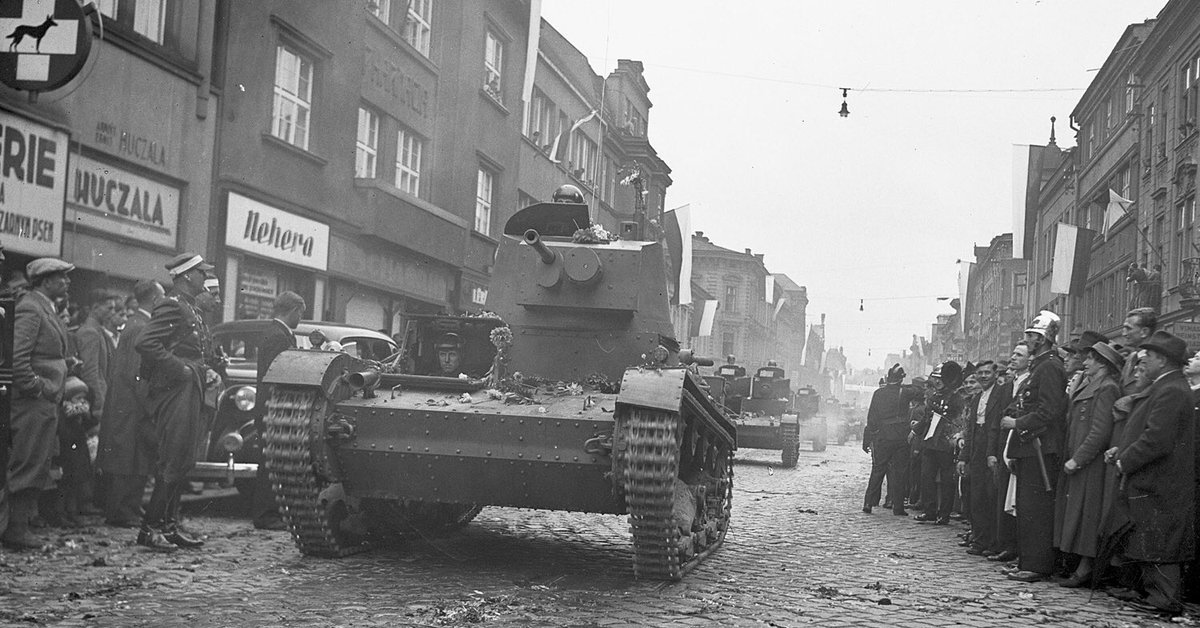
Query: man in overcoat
[(1038, 421), (885, 437), (982, 418), (40, 361), (1155, 460), (126, 452), (288, 309), (177, 359)]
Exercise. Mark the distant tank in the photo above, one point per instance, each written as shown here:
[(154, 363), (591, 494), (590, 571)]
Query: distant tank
[(760, 403), (576, 398)]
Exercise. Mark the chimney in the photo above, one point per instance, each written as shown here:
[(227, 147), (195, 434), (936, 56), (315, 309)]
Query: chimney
[(822, 318), (748, 252)]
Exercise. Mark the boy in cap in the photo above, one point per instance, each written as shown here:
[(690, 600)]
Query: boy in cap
[(449, 347), (178, 357)]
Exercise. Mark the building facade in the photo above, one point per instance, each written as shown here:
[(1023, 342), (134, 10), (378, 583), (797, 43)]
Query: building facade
[(760, 316), (995, 307), (124, 151)]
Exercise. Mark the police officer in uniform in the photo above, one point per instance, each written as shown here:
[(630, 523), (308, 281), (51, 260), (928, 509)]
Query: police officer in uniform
[(40, 364), (177, 359), (886, 438)]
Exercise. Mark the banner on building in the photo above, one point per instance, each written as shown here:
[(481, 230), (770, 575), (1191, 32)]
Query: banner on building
[(1026, 182), (113, 200), (531, 50), (33, 186), (1072, 255), (1116, 210), (677, 229)]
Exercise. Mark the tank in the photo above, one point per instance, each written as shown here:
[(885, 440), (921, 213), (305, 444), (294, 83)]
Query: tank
[(809, 409), (577, 398), (761, 402)]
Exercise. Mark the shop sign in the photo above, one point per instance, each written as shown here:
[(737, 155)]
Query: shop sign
[(33, 182), (47, 43), (269, 232), (1189, 332), (112, 200)]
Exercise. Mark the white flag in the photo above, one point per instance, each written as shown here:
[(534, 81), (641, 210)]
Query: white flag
[(1117, 207)]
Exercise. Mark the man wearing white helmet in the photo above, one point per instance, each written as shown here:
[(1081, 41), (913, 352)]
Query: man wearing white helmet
[(1037, 418)]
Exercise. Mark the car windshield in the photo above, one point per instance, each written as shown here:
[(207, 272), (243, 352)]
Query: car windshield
[(358, 346), (242, 345)]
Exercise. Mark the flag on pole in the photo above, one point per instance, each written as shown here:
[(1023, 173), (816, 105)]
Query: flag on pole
[(708, 316), (778, 306), (1072, 255), (769, 290), (1117, 207), (677, 229), (531, 51), (563, 148)]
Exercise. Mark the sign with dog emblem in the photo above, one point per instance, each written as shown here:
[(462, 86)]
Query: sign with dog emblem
[(43, 43)]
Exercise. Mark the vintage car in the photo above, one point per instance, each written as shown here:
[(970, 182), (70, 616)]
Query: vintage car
[(230, 449)]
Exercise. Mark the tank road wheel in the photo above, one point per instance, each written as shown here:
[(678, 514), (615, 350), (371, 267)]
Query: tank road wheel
[(678, 485), (311, 508), (790, 433)]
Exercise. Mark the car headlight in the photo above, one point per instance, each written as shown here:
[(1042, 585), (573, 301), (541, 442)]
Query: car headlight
[(245, 398)]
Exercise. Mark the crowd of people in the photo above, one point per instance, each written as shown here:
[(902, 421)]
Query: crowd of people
[(1072, 462), (108, 400)]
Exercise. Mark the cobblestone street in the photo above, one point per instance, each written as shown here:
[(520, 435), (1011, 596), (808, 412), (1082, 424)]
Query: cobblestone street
[(800, 553)]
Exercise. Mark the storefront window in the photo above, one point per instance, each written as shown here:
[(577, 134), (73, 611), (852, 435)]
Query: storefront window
[(259, 282)]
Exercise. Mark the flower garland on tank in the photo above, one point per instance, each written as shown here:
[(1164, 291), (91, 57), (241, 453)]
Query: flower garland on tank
[(595, 234)]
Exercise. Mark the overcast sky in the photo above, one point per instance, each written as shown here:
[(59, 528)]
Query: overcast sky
[(879, 205)]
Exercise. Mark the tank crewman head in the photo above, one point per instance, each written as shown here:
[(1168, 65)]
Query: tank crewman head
[(449, 348), (48, 275), (317, 338), (731, 359), (567, 194), (188, 272)]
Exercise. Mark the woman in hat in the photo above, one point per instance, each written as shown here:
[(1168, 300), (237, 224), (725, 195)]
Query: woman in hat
[(1081, 485)]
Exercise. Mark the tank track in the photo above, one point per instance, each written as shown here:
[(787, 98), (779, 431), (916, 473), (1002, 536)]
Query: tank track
[(657, 442), (292, 419), (789, 433)]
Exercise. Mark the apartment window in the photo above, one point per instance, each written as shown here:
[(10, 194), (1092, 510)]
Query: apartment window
[(293, 96), (608, 180), (1090, 147), (1130, 84), (366, 144), (418, 25), (493, 64), (727, 341), (634, 123), (107, 8), (483, 201), (731, 298), (148, 19), (1108, 114), (583, 156), (539, 118), (1184, 215), (381, 9), (1151, 129), (408, 162), (1187, 104)]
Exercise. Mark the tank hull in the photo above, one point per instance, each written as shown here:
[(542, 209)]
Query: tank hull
[(482, 452)]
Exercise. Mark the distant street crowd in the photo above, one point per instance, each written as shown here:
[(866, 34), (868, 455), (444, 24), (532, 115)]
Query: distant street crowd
[(1073, 463), (108, 398)]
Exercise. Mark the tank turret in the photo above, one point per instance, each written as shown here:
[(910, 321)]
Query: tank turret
[(581, 301)]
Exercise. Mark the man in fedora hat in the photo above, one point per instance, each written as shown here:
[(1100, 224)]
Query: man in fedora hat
[(178, 357), (885, 438), (1037, 420), (1155, 459), (41, 359)]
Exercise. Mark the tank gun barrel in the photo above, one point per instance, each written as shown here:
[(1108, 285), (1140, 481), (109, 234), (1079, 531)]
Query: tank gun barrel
[(532, 238), (363, 379)]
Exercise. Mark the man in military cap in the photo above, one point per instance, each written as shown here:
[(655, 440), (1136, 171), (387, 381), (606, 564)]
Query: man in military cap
[(449, 350), (177, 360), (1037, 418), (40, 364)]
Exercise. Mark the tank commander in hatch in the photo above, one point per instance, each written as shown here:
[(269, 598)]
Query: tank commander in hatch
[(449, 352)]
